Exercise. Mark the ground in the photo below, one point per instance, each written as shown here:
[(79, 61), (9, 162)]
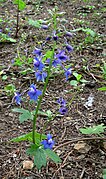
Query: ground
[(87, 59)]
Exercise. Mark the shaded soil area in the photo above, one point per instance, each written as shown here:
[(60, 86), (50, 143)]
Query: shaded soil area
[(87, 59)]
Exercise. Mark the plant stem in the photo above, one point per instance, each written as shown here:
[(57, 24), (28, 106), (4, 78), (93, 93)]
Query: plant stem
[(43, 93), (17, 25)]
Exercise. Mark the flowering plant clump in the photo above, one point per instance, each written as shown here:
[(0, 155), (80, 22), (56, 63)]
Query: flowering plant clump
[(41, 145)]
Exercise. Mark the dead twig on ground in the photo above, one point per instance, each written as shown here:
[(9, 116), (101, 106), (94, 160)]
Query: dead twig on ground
[(70, 141)]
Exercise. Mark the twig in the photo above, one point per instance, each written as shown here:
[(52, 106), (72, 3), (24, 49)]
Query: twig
[(82, 173), (62, 137), (78, 139), (62, 165)]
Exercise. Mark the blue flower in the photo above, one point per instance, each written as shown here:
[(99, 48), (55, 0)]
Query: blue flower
[(69, 48), (48, 38), (61, 101), (61, 56), (34, 93), (38, 65), (45, 27), (40, 76), (68, 34), (63, 110), (37, 51), (17, 98), (55, 62), (68, 72), (48, 143)]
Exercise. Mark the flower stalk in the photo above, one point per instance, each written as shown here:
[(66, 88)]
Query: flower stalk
[(43, 93)]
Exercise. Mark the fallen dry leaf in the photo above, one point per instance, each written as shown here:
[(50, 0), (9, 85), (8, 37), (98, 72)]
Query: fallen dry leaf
[(82, 147), (28, 164)]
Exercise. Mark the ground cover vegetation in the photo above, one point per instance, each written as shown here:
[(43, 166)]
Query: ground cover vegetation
[(53, 89)]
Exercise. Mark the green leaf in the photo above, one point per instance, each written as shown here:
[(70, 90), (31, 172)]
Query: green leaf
[(27, 70), (53, 156), (24, 137), (18, 62), (74, 82), (93, 130), (32, 150), (36, 23), (28, 137), (10, 89), (11, 39), (40, 158), (49, 114), (78, 76), (83, 81), (4, 77), (20, 3), (90, 32), (104, 173), (49, 54), (25, 114), (4, 37), (102, 88)]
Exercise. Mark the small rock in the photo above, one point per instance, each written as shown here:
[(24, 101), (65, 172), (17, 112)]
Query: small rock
[(61, 177), (11, 114), (81, 157), (28, 164), (68, 118), (69, 167), (82, 147), (58, 152), (104, 145)]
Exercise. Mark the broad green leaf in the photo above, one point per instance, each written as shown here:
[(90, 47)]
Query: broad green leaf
[(40, 158), (48, 113), (24, 137), (20, 3), (32, 150), (93, 130), (53, 156), (104, 173), (102, 88), (35, 23), (49, 54), (25, 114), (18, 62), (90, 32), (78, 76), (10, 89), (28, 137), (74, 82)]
